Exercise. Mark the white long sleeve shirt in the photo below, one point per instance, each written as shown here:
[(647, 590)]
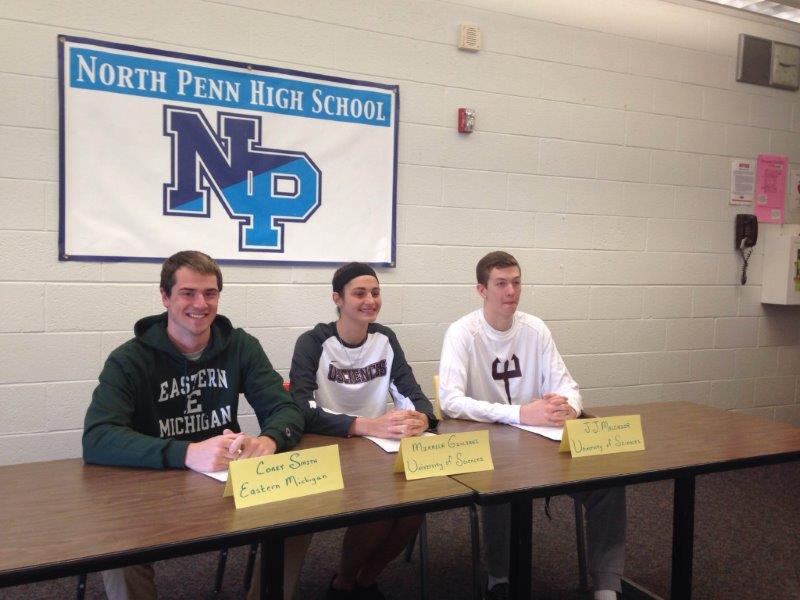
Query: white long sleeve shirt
[(486, 375)]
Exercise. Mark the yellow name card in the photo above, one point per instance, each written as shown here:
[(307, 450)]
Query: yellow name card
[(445, 454), (603, 435), (262, 479)]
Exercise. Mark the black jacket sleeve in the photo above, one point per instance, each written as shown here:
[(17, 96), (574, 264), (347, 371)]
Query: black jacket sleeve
[(303, 378)]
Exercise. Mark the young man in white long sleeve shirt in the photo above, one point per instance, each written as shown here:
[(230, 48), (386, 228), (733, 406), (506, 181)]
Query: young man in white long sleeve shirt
[(501, 365)]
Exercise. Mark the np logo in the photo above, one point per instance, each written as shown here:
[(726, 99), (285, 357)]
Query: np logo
[(262, 188)]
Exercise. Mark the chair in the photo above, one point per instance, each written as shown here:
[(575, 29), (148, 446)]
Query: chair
[(81, 592), (477, 592), (437, 407), (248, 571)]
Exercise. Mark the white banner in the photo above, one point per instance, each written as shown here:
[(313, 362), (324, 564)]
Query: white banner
[(162, 152)]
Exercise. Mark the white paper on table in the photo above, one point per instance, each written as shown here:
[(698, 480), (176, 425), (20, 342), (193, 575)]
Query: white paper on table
[(553, 433), (218, 475), (388, 445)]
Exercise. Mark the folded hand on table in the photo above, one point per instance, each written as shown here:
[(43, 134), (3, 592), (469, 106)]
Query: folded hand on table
[(551, 410), (395, 424)]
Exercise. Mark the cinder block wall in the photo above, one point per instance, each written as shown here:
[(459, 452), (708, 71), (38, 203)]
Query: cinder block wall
[(605, 133)]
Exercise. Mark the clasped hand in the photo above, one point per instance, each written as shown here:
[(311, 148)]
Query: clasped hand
[(551, 410), (215, 453), (395, 424)]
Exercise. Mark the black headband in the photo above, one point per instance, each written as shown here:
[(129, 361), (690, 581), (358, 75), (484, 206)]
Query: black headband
[(349, 272)]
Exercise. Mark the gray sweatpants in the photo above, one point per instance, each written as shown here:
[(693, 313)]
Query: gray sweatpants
[(605, 536)]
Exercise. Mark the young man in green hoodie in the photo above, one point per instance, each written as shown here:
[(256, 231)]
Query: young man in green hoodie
[(169, 397)]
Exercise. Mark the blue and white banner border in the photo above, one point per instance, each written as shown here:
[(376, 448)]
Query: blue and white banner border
[(308, 98)]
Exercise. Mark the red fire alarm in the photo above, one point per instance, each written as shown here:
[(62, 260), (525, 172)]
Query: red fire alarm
[(466, 120)]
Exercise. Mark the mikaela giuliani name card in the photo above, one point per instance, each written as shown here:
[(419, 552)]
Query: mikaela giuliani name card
[(262, 479), (603, 435), (445, 454)]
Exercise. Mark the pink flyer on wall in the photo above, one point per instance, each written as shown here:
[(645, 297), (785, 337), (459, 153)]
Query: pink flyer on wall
[(771, 172)]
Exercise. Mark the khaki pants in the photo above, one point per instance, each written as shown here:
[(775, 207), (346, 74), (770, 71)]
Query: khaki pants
[(137, 582), (294, 551)]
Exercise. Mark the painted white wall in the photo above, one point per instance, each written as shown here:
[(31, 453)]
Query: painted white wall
[(601, 160)]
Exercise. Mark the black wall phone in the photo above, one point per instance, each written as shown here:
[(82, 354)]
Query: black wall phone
[(745, 236), (746, 231)]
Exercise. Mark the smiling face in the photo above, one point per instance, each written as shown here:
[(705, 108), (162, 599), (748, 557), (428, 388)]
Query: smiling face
[(360, 301), (501, 296), (191, 308)]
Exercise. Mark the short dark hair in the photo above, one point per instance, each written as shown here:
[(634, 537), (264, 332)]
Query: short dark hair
[(193, 259), (494, 260)]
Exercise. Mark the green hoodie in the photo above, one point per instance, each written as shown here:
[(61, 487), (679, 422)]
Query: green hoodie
[(152, 401)]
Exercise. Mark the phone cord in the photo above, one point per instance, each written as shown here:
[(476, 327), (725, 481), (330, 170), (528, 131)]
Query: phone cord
[(745, 259)]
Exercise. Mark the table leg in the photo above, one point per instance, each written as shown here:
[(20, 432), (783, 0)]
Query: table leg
[(272, 568), (474, 529), (520, 568), (423, 558), (682, 537)]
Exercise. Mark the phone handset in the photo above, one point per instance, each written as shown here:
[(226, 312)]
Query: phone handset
[(745, 236)]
